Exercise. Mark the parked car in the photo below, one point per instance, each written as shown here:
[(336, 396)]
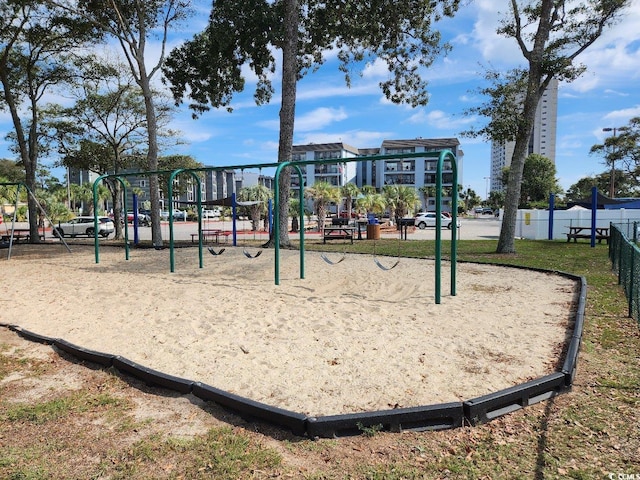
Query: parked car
[(177, 214), (143, 219), (84, 226), (215, 213), (428, 219)]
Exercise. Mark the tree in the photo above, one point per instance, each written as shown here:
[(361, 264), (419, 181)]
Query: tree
[(538, 180), (496, 199), (37, 45), (133, 23), (625, 186), (623, 147), (349, 192), (322, 193), (470, 198), (10, 171), (174, 162), (551, 34), (400, 200), (372, 202), (105, 131), (258, 196), (209, 67)]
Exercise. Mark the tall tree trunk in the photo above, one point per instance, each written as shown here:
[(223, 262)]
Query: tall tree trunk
[(152, 155), (26, 153), (535, 88), (287, 112)]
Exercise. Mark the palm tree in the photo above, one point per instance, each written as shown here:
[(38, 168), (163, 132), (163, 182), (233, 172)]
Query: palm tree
[(294, 207), (428, 191), (260, 195), (401, 200), (322, 193), (372, 203), (349, 192)]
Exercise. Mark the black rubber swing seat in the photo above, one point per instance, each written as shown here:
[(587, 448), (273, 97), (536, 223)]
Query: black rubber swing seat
[(383, 267), (248, 255), (326, 259), (213, 252)]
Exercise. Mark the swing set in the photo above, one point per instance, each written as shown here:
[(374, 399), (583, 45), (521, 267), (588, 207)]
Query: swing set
[(275, 232)]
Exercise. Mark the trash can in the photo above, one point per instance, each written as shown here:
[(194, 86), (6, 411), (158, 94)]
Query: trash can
[(373, 231)]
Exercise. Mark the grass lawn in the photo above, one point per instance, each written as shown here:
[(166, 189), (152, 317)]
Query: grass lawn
[(90, 423)]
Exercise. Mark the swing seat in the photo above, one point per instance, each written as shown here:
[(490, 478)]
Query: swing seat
[(248, 255), (383, 267), (326, 259), (213, 252)]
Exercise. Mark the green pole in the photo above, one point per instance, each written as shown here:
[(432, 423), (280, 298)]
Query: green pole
[(301, 214), (454, 220), (95, 209), (438, 265), (276, 226)]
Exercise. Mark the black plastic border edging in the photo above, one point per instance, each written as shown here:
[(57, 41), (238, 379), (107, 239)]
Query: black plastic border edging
[(152, 377), (32, 337), (250, 409), (570, 365), (104, 359), (483, 409), (433, 417)]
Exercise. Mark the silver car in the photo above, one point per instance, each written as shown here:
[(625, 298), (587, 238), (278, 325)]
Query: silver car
[(84, 226), (428, 219)]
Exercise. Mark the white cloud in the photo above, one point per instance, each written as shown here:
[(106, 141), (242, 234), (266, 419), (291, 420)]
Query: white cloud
[(316, 119), (319, 118), (623, 115), (441, 120)]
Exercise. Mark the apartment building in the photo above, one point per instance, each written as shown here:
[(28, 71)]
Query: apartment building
[(416, 172), (542, 141)]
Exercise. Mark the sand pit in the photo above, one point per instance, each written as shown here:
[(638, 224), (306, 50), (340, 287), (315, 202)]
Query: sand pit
[(348, 338)]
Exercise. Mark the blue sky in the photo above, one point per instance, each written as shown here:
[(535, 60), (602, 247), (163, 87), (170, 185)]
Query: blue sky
[(607, 95)]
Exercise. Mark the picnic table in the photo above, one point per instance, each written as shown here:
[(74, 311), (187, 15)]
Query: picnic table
[(337, 232), (210, 234), (19, 235), (602, 233)]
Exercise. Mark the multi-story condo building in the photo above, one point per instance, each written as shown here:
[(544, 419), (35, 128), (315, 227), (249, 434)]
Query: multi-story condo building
[(337, 174), (542, 141), (416, 172)]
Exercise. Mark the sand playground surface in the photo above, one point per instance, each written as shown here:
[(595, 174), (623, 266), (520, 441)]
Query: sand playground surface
[(348, 338)]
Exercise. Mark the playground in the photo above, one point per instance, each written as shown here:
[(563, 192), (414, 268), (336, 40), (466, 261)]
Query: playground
[(347, 338)]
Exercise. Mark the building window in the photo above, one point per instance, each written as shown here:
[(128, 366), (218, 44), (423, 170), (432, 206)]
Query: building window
[(327, 155), (400, 151), (142, 183)]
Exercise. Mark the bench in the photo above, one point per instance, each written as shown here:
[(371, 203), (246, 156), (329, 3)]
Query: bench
[(338, 233), (602, 233)]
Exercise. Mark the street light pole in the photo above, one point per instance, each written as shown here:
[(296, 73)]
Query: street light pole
[(486, 197), (612, 184)]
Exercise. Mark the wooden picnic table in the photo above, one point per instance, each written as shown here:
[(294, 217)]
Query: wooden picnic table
[(210, 234), (602, 233), (19, 234), (337, 232)]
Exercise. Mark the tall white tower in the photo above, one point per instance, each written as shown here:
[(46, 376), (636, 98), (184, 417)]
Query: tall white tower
[(542, 141)]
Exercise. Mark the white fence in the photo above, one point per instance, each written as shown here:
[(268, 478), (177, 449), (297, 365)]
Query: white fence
[(534, 224)]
